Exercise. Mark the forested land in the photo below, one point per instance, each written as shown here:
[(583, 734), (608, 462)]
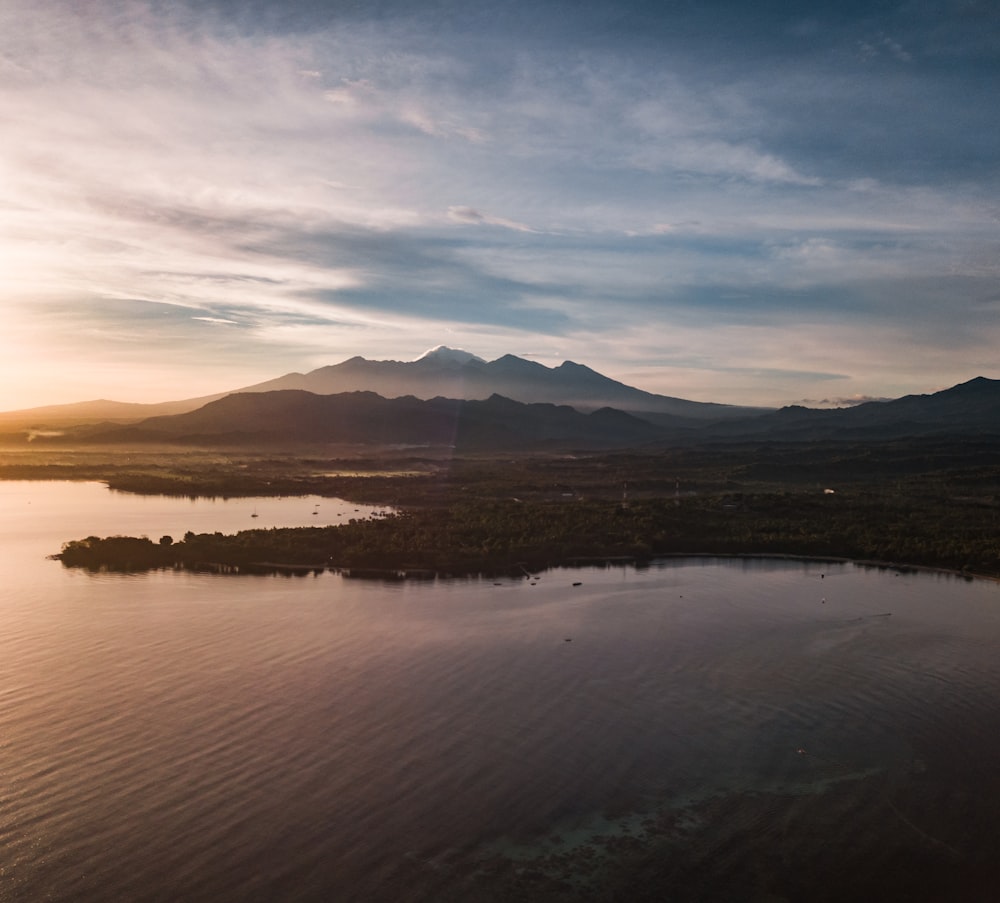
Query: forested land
[(931, 503)]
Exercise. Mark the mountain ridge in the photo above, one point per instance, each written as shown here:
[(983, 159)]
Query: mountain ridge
[(446, 385), (286, 417), (445, 375), (294, 416), (970, 407), (439, 372)]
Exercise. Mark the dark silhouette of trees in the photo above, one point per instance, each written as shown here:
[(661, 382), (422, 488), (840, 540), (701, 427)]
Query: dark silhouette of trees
[(492, 536)]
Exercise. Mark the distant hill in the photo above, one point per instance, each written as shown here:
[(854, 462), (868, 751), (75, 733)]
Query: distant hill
[(99, 411), (292, 416), (970, 408), (451, 397)]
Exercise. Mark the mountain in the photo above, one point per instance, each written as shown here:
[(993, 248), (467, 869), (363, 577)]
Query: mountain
[(441, 372), (509, 401), (98, 411), (443, 353), (445, 372), (970, 408), (292, 416)]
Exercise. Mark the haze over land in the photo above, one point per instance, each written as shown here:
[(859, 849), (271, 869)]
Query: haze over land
[(453, 399), (746, 204)]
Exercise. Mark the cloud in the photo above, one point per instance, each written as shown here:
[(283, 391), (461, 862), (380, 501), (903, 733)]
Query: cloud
[(474, 217), (222, 321), (284, 178), (712, 157), (690, 226), (883, 45), (840, 402)]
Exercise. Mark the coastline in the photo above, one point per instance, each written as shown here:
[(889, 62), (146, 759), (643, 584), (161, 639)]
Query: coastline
[(483, 516), (420, 573)]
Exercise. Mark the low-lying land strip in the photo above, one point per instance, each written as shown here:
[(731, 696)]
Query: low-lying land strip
[(506, 536), (930, 504)]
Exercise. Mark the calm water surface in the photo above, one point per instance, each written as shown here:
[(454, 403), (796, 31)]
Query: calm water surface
[(700, 729)]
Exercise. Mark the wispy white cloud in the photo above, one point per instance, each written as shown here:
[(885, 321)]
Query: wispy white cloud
[(470, 216), (883, 45), (849, 401)]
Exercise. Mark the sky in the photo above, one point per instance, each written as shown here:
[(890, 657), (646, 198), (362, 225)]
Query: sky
[(754, 203)]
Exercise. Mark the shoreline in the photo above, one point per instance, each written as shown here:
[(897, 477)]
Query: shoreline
[(423, 573), (484, 518)]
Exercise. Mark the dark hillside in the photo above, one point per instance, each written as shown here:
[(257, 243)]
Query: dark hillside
[(298, 417)]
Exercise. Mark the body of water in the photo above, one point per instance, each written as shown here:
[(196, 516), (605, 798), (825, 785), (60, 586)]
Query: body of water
[(701, 729)]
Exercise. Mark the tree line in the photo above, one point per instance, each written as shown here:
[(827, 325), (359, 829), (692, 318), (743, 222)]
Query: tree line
[(490, 536)]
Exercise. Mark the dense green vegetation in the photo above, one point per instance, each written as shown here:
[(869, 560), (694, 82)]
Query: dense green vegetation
[(933, 503), (497, 536)]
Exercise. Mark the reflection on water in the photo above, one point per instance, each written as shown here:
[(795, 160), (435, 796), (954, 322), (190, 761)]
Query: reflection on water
[(695, 730)]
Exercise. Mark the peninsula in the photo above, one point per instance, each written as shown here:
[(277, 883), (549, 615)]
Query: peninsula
[(932, 503)]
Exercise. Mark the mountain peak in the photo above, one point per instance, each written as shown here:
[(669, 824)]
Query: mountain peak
[(445, 355), (573, 367), (977, 384)]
